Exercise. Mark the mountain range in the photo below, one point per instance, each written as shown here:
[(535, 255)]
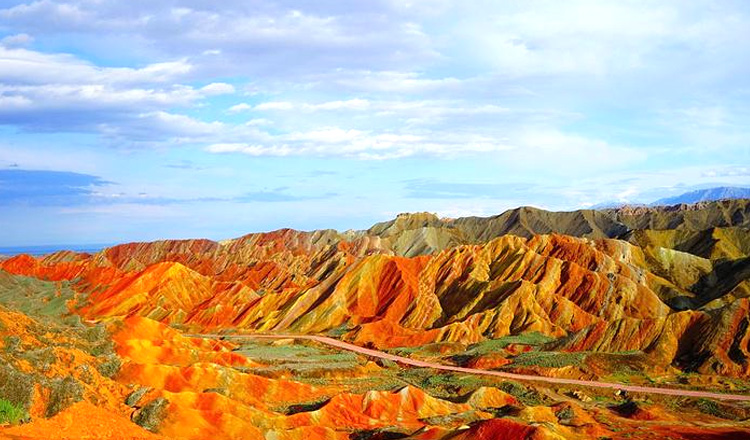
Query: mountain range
[(706, 195), (662, 290), (696, 196)]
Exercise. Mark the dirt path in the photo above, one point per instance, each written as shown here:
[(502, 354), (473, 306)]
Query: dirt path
[(523, 377)]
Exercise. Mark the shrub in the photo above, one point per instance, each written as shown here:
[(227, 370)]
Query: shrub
[(16, 387), (549, 359), (109, 366), (711, 407), (136, 396), (534, 339), (10, 413), (152, 415), (64, 393), (527, 396)]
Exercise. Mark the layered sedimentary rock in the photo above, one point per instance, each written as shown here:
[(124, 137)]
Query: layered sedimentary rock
[(656, 290), (317, 281), (590, 292)]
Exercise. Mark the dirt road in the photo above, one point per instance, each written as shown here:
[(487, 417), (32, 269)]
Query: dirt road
[(523, 377)]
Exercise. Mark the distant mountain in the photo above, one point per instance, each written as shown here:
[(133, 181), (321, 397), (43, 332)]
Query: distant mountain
[(706, 195)]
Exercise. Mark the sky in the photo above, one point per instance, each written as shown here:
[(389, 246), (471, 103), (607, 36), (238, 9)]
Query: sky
[(135, 120)]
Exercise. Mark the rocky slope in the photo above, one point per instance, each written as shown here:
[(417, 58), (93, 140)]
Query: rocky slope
[(583, 290), (652, 292)]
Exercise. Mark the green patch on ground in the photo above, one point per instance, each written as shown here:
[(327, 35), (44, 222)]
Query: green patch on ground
[(340, 331), (51, 330), (710, 407), (444, 384), (533, 339), (300, 407), (548, 359), (526, 395), (299, 358), (11, 414), (46, 300)]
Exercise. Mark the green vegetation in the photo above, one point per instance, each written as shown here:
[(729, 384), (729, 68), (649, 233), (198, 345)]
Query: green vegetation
[(41, 359), (52, 331), (64, 393), (301, 407), (435, 349), (456, 419), (110, 365), (10, 413), (16, 387), (534, 339), (12, 343), (549, 359), (45, 300), (152, 415), (710, 407), (339, 331), (302, 359), (525, 395)]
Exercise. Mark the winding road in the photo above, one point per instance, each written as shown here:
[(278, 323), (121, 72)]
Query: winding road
[(522, 377)]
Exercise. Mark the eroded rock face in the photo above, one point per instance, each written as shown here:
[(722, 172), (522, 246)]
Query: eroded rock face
[(402, 284), (592, 293)]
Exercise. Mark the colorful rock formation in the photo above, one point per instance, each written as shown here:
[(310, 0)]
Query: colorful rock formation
[(665, 291)]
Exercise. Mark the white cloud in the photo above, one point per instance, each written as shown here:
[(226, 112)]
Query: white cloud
[(218, 89), (586, 37), (343, 79), (242, 37), (335, 141), (17, 40), (240, 108), (275, 105), (23, 66), (258, 122), (61, 92), (413, 110), (393, 82)]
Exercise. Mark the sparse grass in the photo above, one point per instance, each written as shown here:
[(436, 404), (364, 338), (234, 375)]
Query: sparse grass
[(392, 433), (41, 299), (11, 343), (41, 359), (620, 377), (295, 408), (533, 339), (407, 351), (64, 393), (525, 395), (357, 384), (444, 385), (10, 413), (548, 359), (152, 415), (710, 407), (455, 419), (110, 365), (15, 386), (300, 359), (295, 353), (339, 331)]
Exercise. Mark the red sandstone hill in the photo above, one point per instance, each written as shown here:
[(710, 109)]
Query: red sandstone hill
[(652, 291), (675, 292)]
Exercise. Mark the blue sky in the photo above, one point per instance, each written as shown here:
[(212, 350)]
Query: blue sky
[(140, 120)]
